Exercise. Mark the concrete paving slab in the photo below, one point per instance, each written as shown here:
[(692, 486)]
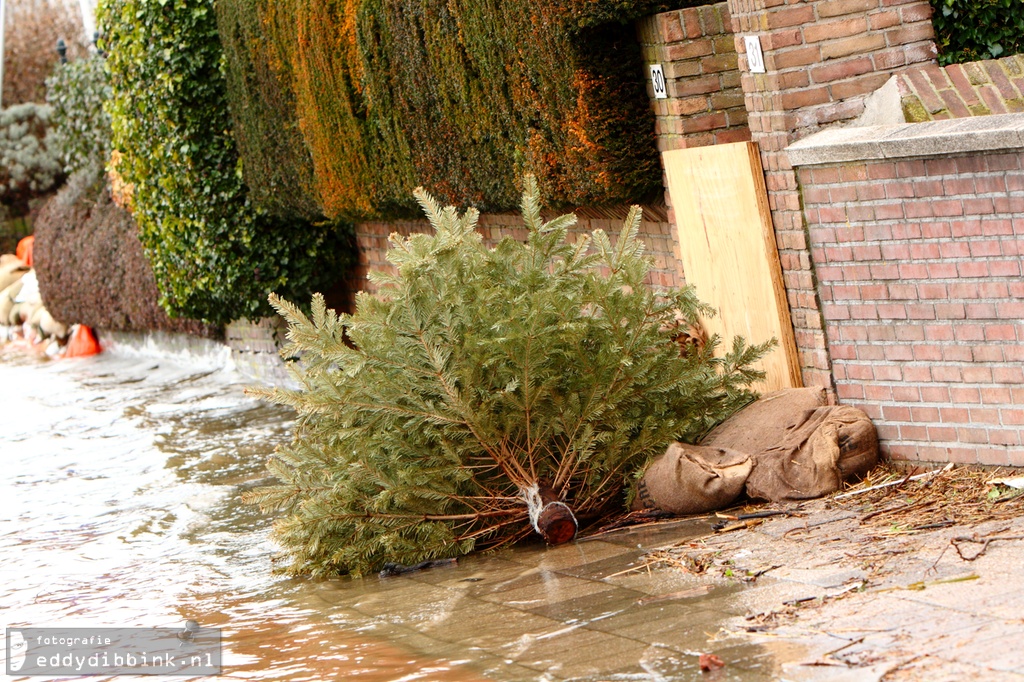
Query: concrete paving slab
[(650, 536), (575, 652), (568, 555), (471, 570), (596, 605), (540, 588), (605, 568), (826, 578), (504, 626), (674, 627)]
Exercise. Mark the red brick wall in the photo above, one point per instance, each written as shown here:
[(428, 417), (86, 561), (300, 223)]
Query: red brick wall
[(655, 230), (919, 272), (822, 57), (696, 49)]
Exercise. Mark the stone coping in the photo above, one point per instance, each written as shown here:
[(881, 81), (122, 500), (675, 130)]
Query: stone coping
[(1001, 132)]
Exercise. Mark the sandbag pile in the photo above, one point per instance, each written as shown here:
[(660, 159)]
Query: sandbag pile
[(22, 310), (789, 445)]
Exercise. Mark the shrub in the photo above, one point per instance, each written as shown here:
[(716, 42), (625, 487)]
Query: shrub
[(477, 375), (29, 163), (90, 263), (275, 160), (391, 93), (972, 30), (30, 45), (76, 93), (214, 254)]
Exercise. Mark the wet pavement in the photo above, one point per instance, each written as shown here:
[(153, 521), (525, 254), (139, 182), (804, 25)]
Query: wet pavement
[(575, 612), (839, 601), (120, 507)]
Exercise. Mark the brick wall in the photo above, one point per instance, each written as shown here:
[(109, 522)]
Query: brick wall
[(822, 57), (918, 257), (655, 230), (254, 351), (696, 49)]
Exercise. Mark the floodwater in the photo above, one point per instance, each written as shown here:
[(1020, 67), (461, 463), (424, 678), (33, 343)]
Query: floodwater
[(119, 507)]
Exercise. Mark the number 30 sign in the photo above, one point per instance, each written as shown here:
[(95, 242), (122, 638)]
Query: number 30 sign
[(658, 81)]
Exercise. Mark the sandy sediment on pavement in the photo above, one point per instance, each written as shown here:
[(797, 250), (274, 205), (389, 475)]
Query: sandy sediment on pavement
[(918, 579)]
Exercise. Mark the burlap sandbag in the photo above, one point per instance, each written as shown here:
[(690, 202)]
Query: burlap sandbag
[(831, 445), (692, 479), (764, 423), (11, 273), (7, 302), (801, 448)]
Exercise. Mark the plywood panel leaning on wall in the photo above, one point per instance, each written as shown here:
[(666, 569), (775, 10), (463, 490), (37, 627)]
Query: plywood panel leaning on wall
[(728, 250)]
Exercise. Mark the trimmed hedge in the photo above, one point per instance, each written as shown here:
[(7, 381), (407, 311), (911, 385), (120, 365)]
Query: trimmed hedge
[(972, 30), (215, 255), (315, 41), (276, 163), (90, 263), (452, 94)]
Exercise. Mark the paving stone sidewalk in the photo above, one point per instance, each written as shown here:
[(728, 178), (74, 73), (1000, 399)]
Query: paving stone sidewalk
[(838, 603), (818, 596)]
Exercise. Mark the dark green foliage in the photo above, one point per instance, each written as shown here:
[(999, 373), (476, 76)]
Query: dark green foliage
[(972, 30), (276, 163), (214, 255), (29, 162), (90, 263), (76, 92), (13, 229), (475, 374), (392, 93)]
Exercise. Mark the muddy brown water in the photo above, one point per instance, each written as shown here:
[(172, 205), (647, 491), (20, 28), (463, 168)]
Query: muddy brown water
[(119, 507)]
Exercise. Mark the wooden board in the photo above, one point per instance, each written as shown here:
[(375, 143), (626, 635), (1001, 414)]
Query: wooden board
[(728, 250)]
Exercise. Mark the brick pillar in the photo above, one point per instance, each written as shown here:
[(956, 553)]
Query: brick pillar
[(696, 49), (705, 103), (822, 58)]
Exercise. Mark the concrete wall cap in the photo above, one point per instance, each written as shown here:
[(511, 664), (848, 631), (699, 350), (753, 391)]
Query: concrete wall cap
[(910, 140)]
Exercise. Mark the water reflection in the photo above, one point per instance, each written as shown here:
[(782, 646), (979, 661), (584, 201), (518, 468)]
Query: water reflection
[(120, 507)]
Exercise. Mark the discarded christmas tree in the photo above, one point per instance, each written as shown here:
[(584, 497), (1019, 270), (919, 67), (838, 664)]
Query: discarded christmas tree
[(484, 394)]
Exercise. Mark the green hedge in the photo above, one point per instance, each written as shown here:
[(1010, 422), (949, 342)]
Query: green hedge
[(971, 30), (453, 94), (276, 163), (215, 255)]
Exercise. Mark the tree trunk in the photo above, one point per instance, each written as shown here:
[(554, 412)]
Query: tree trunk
[(556, 522)]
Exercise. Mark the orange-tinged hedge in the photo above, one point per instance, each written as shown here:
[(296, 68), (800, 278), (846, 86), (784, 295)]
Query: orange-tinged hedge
[(454, 94)]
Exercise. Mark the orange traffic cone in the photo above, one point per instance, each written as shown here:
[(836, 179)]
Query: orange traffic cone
[(24, 250), (82, 343)]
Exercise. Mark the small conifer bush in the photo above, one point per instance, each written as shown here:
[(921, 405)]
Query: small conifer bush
[(428, 416), (29, 162)]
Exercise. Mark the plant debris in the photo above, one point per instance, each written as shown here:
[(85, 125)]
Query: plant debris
[(949, 496)]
